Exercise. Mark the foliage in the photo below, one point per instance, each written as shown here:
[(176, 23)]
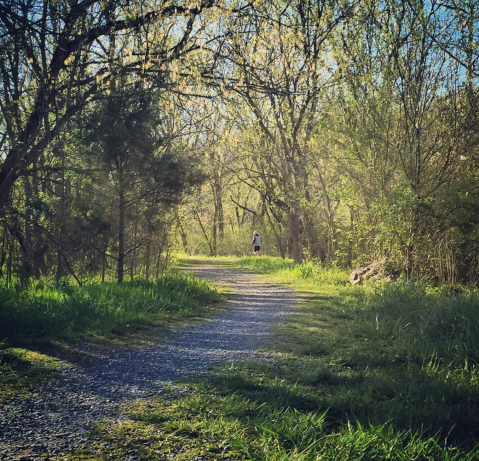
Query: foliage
[(342, 130)]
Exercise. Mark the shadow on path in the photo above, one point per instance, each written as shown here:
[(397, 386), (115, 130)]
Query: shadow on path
[(97, 387)]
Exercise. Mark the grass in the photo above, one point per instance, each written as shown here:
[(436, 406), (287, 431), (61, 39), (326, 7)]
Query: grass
[(285, 270), (244, 414), (375, 373), (72, 312), (21, 370), (383, 372), (45, 320), (400, 354)]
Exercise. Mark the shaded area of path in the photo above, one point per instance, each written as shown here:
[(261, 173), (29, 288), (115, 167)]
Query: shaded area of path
[(56, 419)]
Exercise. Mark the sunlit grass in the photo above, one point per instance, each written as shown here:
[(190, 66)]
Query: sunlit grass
[(101, 312), (355, 374), (307, 275), (69, 311), (248, 415), (22, 369), (400, 353)]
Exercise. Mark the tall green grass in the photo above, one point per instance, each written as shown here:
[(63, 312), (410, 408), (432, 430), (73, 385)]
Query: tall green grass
[(70, 311), (422, 324), (399, 354), (243, 415), (287, 270)]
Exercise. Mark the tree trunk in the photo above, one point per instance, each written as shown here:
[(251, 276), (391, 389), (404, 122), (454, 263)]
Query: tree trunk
[(103, 266), (135, 254), (205, 234), (409, 260), (410, 248), (4, 252), (28, 224), (297, 244), (184, 237), (158, 260), (121, 227), (349, 261), (25, 267), (214, 239), (9, 264), (166, 262), (277, 235), (220, 219), (61, 213), (147, 259)]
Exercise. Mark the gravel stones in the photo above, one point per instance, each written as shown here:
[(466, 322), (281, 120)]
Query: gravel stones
[(55, 419)]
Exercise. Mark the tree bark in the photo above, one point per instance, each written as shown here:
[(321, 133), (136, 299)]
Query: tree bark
[(147, 259), (103, 266), (160, 250), (205, 234), (61, 212), (184, 237), (349, 261), (277, 235), (295, 229), (121, 226)]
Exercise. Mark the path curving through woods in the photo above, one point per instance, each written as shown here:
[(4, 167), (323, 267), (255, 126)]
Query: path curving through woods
[(55, 420)]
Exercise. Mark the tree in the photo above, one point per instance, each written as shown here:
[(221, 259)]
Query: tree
[(279, 62), (127, 132), (404, 121), (54, 64)]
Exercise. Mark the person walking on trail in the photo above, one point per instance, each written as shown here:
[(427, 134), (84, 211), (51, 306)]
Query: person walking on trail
[(256, 243)]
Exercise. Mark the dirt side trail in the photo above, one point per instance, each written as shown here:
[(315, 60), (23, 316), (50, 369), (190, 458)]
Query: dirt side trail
[(55, 419)]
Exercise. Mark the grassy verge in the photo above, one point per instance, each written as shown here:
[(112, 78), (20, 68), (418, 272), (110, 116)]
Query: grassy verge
[(46, 319), (247, 416), (71, 312), (22, 369), (376, 373)]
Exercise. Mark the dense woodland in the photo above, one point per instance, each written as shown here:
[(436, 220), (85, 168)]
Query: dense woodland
[(342, 130)]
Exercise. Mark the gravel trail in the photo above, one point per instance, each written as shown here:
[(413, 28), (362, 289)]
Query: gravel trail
[(56, 419)]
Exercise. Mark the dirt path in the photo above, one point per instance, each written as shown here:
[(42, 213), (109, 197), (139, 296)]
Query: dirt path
[(56, 419)]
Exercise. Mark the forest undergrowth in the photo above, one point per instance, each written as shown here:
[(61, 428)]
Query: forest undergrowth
[(382, 372)]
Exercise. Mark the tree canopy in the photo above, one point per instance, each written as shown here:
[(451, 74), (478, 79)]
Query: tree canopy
[(345, 130)]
